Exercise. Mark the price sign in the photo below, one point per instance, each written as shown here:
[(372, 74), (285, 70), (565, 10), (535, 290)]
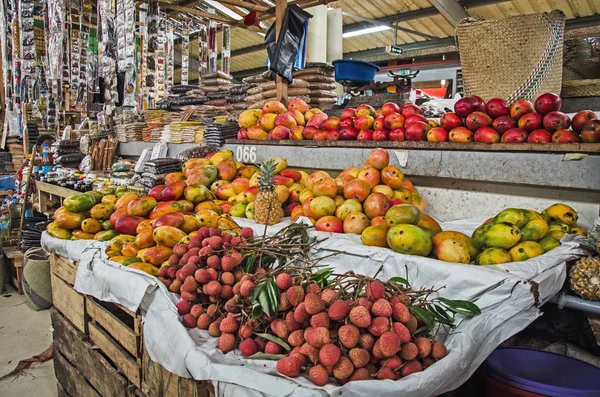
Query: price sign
[(246, 154)]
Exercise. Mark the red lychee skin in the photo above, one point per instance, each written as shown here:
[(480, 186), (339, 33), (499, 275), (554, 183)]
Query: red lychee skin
[(428, 362), (360, 316), (205, 252), (190, 284), (386, 373), (175, 286), (379, 325), (366, 341), (188, 270), (319, 375), (338, 310), (183, 307), (202, 276), (375, 290), (279, 328), (189, 296), (343, 369), (389, 343), (310, 351), (211, 310), (226, 292), (412, 324), (289, 366), (402, 332), (348, 335), (381, 308), (213, 261), (409, 351), (247, 233), (296, 353), (400, 313), (214, 231), (313, 287), (296, 338), (392, 363), (226, 342), (424, 346), (171, 272), (180, 249), (212, 273), (189, 321), (197, 310), (246, 331), (411, 367), (295, 295), (377, 353), (260, 344), (227, 278), (317, 337), (248, 347), (228, 263), (284, 304), (438, 350), (291, 323), (213, 329), (300, 314), (313, 303), (319, 320), (284, 281), (366, 302), (246, 288), (329, 355), (360, 374), (328, 296), (272, 348), (212, 288), (204, 321), (237, 257), (229, 326), (359, 357)]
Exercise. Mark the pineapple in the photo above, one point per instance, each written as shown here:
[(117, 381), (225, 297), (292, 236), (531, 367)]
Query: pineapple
[(267, 208), (584, 276)]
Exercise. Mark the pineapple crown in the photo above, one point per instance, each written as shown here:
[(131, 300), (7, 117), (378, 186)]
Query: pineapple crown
[(267, 172)]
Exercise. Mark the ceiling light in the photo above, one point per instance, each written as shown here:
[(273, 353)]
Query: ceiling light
[(365, 31), (223, 9)]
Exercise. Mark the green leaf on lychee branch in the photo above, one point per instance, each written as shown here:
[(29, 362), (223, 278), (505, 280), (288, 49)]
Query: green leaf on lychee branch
[(250, 260), (266, 295), (275, 339), (322, 276), (461, 307), (400, 280), (264, 356), (424, 315), (256, 311), (440, 314)]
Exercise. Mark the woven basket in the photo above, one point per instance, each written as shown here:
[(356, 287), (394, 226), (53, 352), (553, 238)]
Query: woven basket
[(513, 58), (36, 279), (580, 88)]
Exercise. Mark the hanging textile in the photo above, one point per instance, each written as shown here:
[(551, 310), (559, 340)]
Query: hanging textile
[(170, 57), (185, 54), (226, 50), (212, 47), (202, 52)]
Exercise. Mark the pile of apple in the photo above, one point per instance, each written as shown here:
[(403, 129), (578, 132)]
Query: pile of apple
[(523, 121)]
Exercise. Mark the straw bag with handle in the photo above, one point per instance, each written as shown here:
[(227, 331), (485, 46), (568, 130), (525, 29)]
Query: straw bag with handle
[(513, 58)]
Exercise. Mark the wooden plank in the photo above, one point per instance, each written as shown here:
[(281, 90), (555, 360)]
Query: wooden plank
[(590, 148), (70, 303), (92, 365), (63, 268), (13, 252), (55, 190), (130, 368), (244, 4), (71, 380), (113, 325)]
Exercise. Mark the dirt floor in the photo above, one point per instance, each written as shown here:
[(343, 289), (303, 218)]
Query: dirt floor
[(23, 334)]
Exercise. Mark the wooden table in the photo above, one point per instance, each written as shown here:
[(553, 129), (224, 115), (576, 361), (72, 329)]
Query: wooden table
[(46, 191), (14, 258)]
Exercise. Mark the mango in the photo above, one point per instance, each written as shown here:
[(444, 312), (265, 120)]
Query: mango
[(205, 175), (79, 202), (129, 250), (105, 235), (227, 170), (106, 225), (526, 250), (493, 256), (121, 190), (67, 219), (144, 267), (117, 243), (246, 171), (165, 207), (430, 223), (500, 235), (174, 177), (418, 202), (167, 236), (250, 210), (96, 195), (119, 258), (511, 215), (116, 215), (462, 238), (144, 225), (81, 235), (125, 199), (130, 261), (556, 234), (238, 210), (534, 230), (207, 218), (186, 206), (226, 223), (549, 243), (430, 233), (110, 199), (249, 118), (559, 226), (280, 164), (102, 211), (201, 162), (91, 225), (375, 236), (58, 232), (577, 229), (451, 250), (409, 239), (155, 255), (174, 219), (174, 191), (144, 240), (197, 193), (561, 213), (141, 206), (190, 224), (402, 214), (106, 191), (128, 224), (208, 205), (220, 156), (531, 214)]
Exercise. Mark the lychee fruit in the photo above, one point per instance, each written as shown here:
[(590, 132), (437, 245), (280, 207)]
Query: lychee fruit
[(201, 275), (180, 249), (246, 331), (246, 288), (313, 303), (248, 347), (296, 338), (279, 328), (319, 320), (226, 342), (215, 242), (392, 363), (291, 322), (163, 271), (175, 286), (428, 362), (272, 348), (424, 346), (313, 287), (412, 324), (247, 233), (228, 263), (236, 256), (204, 321), (366, 302), (190, 284), (295, 295), (310, 351), (329, 354), (328, 295), (284, 281), (401, 313), (317, 337), (226, 292), (212, 273), (348, 335), (212, 288), (214, 231), (300, 314), (359, 357), (214, 262), (366, 341), (411, 367), (319, 375), (189, 296), (289, 366), (409, 351), (205, 252), (381, 308), (260, 343), (189, 321), (389, 343), (438, 350), (360, 316), (229, 325), (402, 332), (377, 353), (343, 369), (375, 290), (379, 325), (360, 374), (183, 307), (296, 353), (172, 272), (213, 329), (284, 303), (211, 310), (227, 278), (188, 270), (338, 310), (386, 373), (197, 310), (194, 260)]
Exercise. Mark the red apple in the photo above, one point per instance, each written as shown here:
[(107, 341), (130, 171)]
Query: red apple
[(531, 121), (504, 123), (413, 118), (379, 123), (486, 134), (332, 123), (309, 132), (478, 103), (397, 134), (394, 120), (363, 122), (348, 134), (581, 118), (365, 110), (345, 123), (409, 109), (333, 135), (380, 135), (464, 107), (555, 121), (520, 108), (547, 103), (437, 134), (417, 131), (539, 136), (321, 135), (565, 136), (365, 135), (514, 135), (389, 108), (497, 107), (590, 133), (477, 119), (449, 121), (348, 113)]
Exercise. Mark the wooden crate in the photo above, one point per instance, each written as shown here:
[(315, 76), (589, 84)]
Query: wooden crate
[(68, 301), (116, 330)]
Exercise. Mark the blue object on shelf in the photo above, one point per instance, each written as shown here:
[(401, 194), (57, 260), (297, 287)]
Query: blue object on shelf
[(7, 182), (354, 71)]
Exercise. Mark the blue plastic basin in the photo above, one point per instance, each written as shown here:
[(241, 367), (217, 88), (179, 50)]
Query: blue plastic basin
[(545, 373), (355, 71)]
